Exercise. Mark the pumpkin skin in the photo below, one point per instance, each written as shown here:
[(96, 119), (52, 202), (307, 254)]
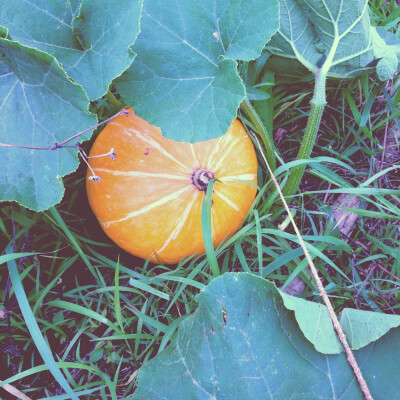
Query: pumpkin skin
[(147, 201)]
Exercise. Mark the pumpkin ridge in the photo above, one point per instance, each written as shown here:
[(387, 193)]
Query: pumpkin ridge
[(213, 155), (180, 223), (226, 200), (141, 174), (149, 207), (194, 154), (242, 178), (156, 145), (226, 153)]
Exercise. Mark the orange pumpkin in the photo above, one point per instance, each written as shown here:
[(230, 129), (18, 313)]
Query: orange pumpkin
[(149, 198)]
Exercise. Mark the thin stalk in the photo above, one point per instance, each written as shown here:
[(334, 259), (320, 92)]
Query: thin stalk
[(318, 103), (112, 99), (336, 324), (59, 145), (266, 136)]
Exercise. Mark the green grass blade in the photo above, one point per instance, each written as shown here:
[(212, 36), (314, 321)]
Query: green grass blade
[(150, 321), (241, 257), (206, 229), (117, 304), (81, 393), (357, 191), (84, 311), (169, 332), (126, 336), (65, 365), (281, 261), (389, 99), (45, 367), (187, 281), (266, 136), (4, 229), (34, 329), (56, 215), (259, 242), (297, 163), (49, 286), (14, 256), (147, 288)]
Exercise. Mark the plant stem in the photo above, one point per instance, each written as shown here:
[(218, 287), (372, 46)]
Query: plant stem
[(112, 99), (262, 131), (318, 103)]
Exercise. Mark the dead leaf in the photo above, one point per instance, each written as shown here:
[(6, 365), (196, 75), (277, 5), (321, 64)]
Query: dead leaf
[(345, 220), (280, 134), (296, 287), (131, 378), (15, 392)]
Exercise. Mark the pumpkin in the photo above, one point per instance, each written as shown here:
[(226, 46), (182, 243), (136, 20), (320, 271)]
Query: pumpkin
[(149, 198)]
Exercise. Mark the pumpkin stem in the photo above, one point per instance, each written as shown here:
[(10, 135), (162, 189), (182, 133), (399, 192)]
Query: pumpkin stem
[(201, 177)]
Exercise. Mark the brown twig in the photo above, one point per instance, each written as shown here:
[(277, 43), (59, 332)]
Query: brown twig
[(173, 295), (389, 273), (365, 281), (342, 337)]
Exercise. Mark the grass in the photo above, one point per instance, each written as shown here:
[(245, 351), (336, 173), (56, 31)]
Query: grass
[(103, 312), (100, 313)]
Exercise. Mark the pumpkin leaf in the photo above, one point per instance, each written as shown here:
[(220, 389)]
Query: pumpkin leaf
[(39, 106), (90, 38), (364, 327), (337, 30), (184, 78), (387, 50), (242, 322)]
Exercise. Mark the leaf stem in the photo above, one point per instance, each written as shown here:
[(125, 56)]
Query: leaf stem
[(123, 111), (342, 337), (260, 128), (112, 99), (318, 103)]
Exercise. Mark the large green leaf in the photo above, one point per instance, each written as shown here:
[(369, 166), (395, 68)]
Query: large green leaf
[(339, 30), (364, 327), (39, 106), (184, 78), (90, 38), (387, 50), (242, 342)]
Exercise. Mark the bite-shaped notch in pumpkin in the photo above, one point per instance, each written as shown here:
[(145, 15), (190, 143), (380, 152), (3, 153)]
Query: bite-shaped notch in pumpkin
[(149, 198)]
